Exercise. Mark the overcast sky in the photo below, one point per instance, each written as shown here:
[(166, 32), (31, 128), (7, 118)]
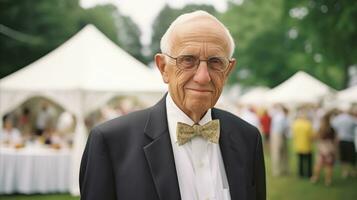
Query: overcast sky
[(143, 12)]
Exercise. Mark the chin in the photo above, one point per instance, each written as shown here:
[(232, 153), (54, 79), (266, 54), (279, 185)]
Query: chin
[(199, 106)]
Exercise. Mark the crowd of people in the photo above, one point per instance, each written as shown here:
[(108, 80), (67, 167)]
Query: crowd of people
[(43, 123), (319, 138), (36, 127), (116, 107)]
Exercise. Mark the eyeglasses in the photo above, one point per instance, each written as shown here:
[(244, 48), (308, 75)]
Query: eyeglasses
[(191, 62)]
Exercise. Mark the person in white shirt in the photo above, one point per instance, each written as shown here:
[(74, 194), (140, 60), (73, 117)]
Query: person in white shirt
[(250, 116), (9, 135), (43, 119), (183, 147), (345, 125), (278, 141)]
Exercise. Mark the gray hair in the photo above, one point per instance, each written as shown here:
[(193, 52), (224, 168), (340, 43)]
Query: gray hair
[(165, 44)]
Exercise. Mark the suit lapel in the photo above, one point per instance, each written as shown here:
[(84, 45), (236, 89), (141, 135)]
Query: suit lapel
[(232, 158), (159, 154)]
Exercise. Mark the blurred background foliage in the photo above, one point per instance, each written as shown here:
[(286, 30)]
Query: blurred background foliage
[(274, 39)]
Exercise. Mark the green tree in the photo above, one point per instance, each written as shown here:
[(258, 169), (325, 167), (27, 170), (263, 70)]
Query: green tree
[(101, 16), (273, 42), (129, 37), (119, 28), (30, 29), (256, 26), (332, 31)]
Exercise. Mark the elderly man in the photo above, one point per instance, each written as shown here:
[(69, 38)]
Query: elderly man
[(181, 148)]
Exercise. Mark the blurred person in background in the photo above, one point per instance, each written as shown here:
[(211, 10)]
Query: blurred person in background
[(326, 141), (9, 135), (265, 124), (302, 132), (65, 122), (107, 113), (64, 128), (43, 119), (345, 125), (24, 121), (354, 113), (314, 113), (278, 141), (248, 114)]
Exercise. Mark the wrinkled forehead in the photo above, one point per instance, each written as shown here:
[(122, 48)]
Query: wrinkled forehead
[(200, 29)]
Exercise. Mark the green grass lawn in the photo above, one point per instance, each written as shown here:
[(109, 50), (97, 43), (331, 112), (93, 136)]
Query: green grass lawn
[(282, 188), (294, 188)]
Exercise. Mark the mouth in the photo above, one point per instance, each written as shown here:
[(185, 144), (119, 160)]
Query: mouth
[(199, 90)]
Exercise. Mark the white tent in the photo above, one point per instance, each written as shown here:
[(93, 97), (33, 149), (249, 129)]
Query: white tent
[(348, 95), (255, 96), (81, 75), (299, 89)]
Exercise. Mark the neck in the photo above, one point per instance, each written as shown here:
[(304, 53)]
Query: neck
[(196, 116)]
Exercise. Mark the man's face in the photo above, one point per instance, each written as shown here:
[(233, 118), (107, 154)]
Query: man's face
[(195, 91)]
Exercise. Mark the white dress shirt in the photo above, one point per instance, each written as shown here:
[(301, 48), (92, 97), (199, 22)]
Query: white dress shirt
[(199, 164)]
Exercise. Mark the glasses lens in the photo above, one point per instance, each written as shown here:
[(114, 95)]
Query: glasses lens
[(217, 63), (186, 62)]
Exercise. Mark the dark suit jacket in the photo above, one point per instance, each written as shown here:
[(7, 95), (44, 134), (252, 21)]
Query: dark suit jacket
[(131, 157)]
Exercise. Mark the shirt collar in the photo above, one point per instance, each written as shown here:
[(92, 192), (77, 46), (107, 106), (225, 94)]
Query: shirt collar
[(175, 114)]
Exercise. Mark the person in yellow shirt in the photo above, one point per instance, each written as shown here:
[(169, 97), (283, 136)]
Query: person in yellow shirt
[(302, 132)]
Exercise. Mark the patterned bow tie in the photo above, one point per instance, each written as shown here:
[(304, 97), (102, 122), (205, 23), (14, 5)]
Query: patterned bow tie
[(209, 131)]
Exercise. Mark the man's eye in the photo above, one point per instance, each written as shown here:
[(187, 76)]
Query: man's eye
[(188, 59), (215, 61)]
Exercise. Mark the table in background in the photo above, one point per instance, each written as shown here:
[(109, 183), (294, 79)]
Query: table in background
[(34, 170)]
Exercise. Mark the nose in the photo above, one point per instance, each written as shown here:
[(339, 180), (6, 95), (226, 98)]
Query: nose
[(202, 75)]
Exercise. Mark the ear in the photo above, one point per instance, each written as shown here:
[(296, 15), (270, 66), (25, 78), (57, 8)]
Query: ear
[(231, 66), (161, 64)]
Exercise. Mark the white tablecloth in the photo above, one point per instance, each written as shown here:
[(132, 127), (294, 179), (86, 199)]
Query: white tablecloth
[(34, 170)]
